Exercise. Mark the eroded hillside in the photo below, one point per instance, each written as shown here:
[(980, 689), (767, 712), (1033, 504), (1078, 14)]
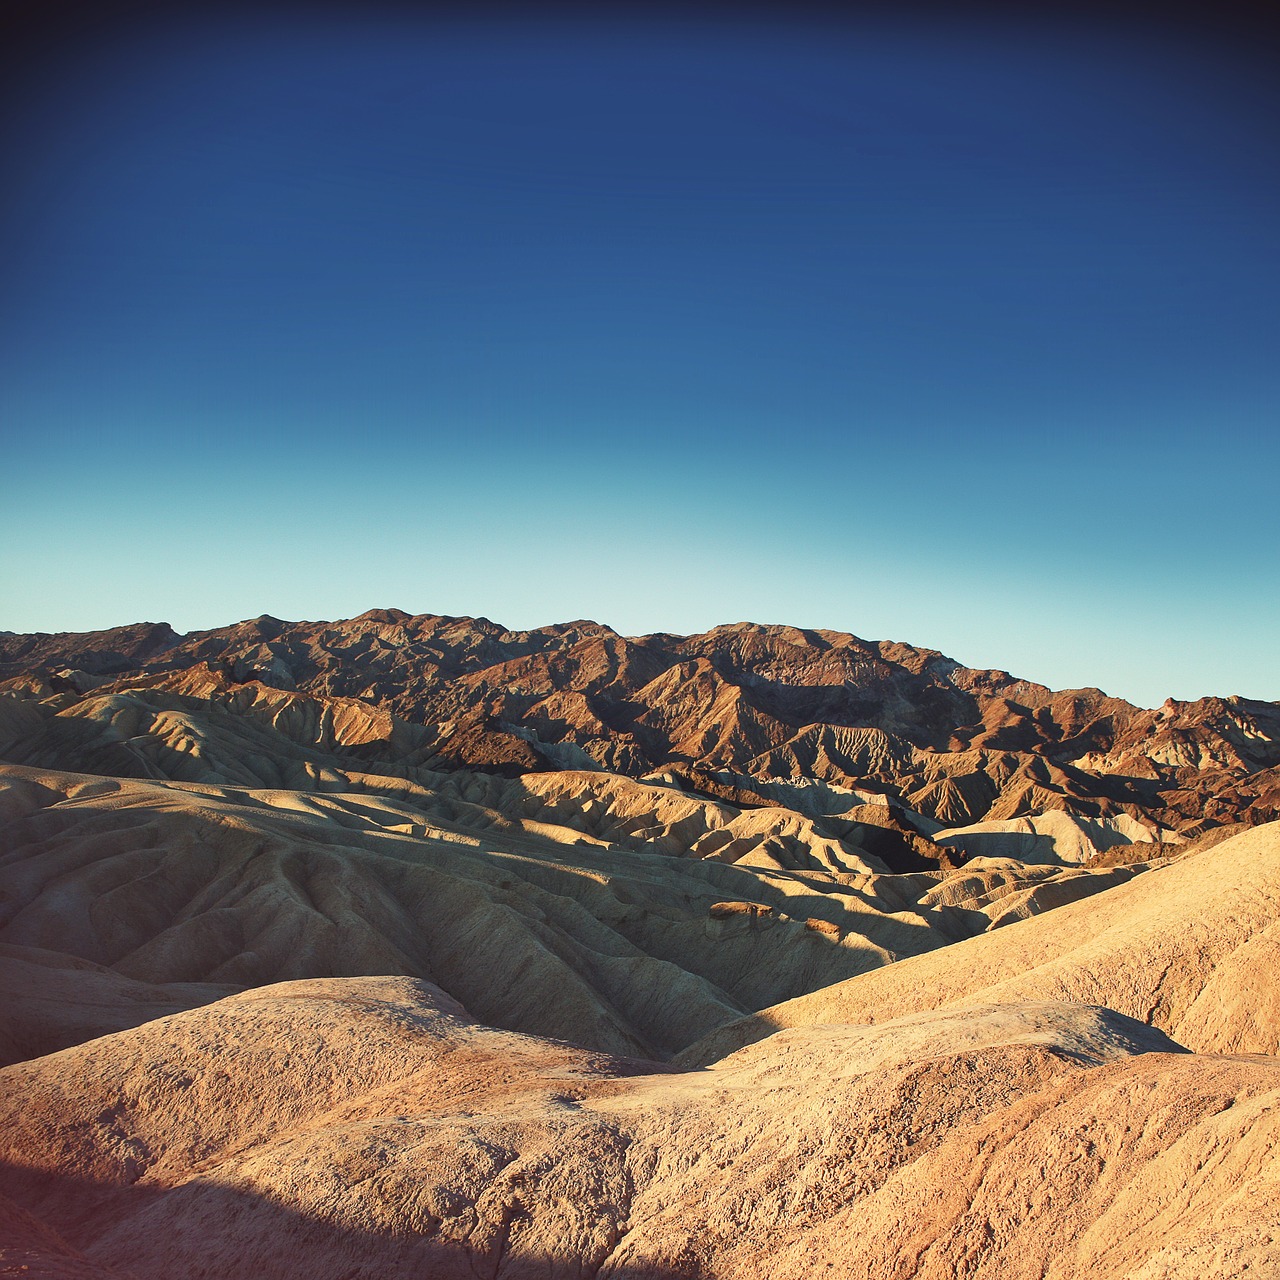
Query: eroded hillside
[(408, 946)]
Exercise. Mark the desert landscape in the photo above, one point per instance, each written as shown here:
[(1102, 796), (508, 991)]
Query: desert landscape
[(416, 946), (475, 939)]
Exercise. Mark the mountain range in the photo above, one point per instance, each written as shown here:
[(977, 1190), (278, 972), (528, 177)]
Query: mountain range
[(730, 711)]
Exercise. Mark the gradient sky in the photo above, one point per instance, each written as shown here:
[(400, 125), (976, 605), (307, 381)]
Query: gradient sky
[(958, 333)]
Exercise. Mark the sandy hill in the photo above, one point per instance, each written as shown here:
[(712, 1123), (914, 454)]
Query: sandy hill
[(617, 914), (253, 835)]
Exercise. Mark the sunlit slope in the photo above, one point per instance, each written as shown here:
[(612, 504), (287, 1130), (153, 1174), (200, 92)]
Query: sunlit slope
[(1190, 947), (333, 1128)]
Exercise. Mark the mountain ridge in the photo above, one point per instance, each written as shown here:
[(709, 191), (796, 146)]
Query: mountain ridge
[(956, 744)]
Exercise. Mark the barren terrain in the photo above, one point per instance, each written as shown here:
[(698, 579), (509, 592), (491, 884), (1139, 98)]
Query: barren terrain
[(416, 946)]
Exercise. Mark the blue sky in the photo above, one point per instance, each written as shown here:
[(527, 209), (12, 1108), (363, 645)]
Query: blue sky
[(959, 334)]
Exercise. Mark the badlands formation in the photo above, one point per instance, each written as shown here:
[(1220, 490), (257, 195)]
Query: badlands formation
[(415, 947)]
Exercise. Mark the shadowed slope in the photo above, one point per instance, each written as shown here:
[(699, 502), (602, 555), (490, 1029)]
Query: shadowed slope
[(53, 1000), (33, 1250)]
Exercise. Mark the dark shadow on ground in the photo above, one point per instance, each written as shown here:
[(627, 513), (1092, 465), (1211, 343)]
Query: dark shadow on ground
[(221, 1233)]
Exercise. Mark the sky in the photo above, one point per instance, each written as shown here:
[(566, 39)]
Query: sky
[(962, 333)]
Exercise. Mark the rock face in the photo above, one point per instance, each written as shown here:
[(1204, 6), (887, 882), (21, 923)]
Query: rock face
[(407, 947)]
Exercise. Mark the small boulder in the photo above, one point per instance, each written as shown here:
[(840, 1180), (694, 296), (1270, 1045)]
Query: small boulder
[(726, 910)]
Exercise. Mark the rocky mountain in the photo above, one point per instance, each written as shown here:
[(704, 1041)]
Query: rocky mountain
[(750, 714)]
